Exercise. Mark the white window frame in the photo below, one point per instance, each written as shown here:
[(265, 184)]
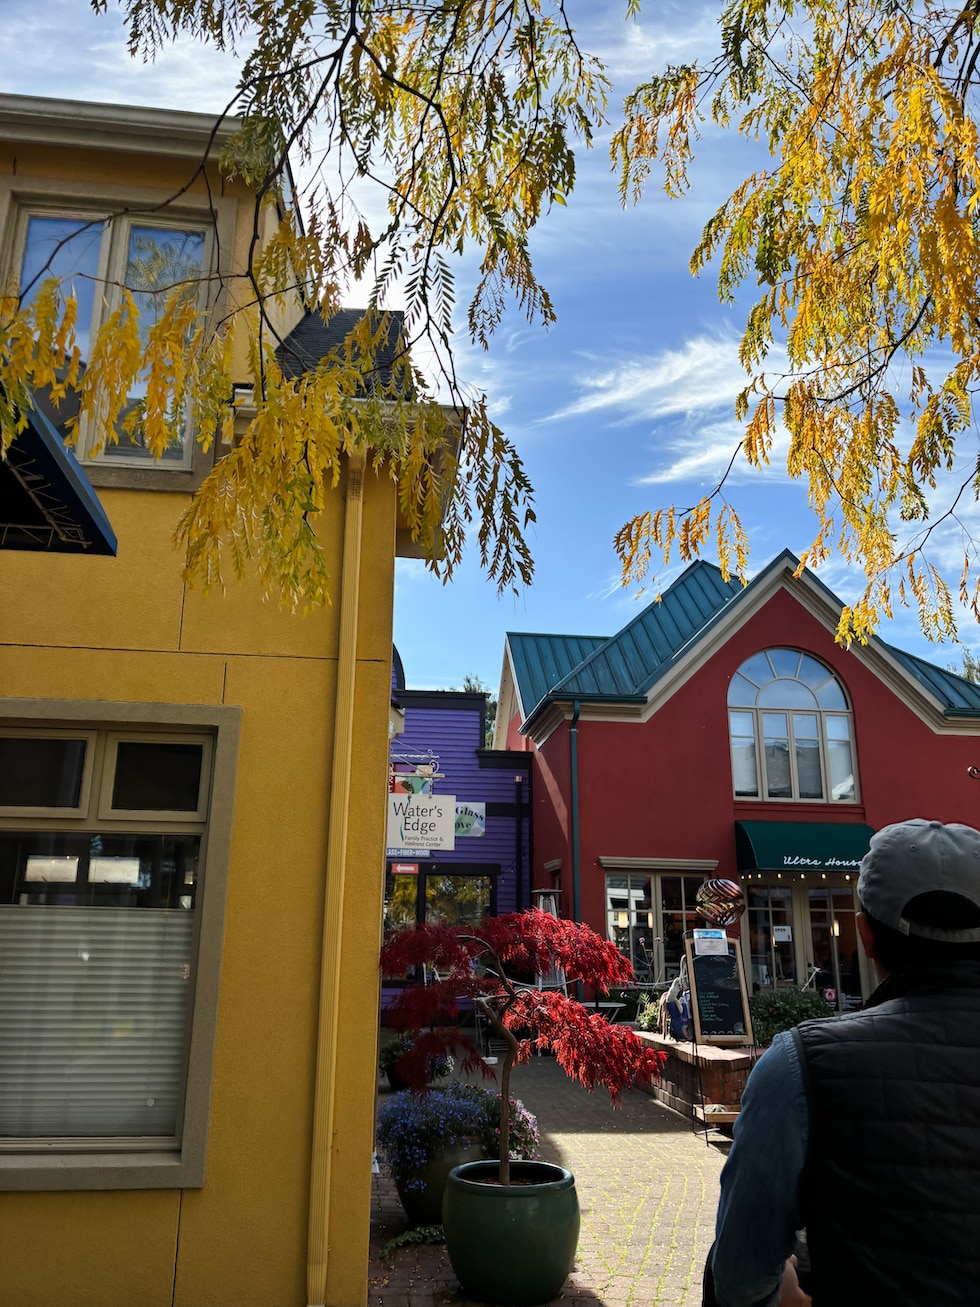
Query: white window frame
[(113, 258), (103, 1163), (656, 869), (22, 196), (823, 715)]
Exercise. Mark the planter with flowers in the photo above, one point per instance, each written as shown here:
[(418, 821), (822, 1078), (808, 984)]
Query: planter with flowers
[(424, 1136), (512, 1227), (398, 1046)]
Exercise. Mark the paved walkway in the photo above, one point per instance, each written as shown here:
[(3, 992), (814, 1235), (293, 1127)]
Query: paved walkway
[(647, 1186)]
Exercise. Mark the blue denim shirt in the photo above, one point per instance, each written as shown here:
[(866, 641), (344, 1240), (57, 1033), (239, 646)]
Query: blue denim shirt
[(759, 1208)]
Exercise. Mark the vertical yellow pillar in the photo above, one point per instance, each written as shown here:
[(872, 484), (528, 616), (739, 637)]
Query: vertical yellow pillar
[(326, 1053)]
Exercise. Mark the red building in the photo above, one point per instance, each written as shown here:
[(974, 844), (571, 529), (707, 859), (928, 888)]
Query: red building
[(724, 733)]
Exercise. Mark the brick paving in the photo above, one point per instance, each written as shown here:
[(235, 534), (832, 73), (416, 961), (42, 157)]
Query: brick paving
[(647, 1186)]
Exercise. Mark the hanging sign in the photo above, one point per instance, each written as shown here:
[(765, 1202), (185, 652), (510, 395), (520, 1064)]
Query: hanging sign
[(471, 820), (404, 868), (421, 821)]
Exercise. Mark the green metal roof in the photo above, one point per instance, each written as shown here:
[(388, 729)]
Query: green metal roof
[(624, 667), (959, 697), (541, 661), (794, 846)]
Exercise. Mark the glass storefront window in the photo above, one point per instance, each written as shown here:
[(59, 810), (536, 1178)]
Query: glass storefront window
[(805, 934), (451, 900), (401, 899), (646, 917), (442, 898), (770, 921), (834, 935)]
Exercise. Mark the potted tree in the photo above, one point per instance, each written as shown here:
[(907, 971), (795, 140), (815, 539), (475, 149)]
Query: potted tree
[(512, 1226)]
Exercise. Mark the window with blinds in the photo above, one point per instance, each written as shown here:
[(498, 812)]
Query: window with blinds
[(101, 836)]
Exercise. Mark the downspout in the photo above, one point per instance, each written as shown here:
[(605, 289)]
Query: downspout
[(518, 847), (576, 870), (324, 1098)]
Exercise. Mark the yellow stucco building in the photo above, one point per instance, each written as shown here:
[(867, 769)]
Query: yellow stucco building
[(191, 837)]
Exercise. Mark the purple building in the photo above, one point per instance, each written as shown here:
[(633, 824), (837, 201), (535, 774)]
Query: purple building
[(441, 751)]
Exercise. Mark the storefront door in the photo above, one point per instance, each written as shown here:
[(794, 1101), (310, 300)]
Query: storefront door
[(802, 933)]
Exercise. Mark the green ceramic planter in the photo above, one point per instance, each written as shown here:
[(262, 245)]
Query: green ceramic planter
[(423, 1206), (511, 1244)]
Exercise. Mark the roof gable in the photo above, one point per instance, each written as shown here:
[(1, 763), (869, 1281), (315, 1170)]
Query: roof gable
[(626, 665)]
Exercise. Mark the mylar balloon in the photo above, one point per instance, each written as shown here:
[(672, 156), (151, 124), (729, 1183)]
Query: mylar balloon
[(720, 902)]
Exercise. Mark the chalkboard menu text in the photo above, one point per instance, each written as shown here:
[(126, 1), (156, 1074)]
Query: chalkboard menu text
[(719, 1001)]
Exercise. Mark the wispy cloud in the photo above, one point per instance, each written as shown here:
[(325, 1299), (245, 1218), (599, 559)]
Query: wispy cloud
[(699, 455), (704, 374), (670, 32)]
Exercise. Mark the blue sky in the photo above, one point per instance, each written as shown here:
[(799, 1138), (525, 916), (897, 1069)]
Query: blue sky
[(625, 404)]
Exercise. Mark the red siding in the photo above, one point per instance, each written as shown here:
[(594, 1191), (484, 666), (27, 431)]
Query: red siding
[(663, 788)]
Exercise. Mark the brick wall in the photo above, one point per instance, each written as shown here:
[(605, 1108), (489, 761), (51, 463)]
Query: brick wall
[(703, 1075)]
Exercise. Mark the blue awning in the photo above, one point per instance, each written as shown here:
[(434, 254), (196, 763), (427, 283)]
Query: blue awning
[(801, 845), (47, 503)]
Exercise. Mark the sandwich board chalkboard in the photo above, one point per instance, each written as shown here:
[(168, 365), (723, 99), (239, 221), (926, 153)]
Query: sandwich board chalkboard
[(719, 1000)]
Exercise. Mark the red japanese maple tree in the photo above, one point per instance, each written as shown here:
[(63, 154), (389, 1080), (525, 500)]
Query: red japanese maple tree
[(479, 962)]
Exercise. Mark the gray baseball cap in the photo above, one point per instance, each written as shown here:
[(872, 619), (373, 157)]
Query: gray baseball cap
[(918, 857)]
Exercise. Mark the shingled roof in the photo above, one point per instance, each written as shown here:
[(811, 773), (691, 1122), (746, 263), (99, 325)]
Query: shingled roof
[(313, 339)]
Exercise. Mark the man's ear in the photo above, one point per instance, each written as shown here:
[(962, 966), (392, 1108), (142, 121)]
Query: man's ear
[(867, 938)]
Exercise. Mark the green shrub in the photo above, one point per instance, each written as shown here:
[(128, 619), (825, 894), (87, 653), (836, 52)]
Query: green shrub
[(773, 1010)]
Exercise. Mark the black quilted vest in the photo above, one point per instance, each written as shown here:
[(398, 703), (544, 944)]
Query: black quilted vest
[(891, 1186)]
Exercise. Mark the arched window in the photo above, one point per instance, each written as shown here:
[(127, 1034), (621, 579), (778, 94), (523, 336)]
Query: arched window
[(791, 731)]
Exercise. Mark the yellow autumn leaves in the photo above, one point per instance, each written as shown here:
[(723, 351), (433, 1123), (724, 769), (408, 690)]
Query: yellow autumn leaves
[(862, 237)]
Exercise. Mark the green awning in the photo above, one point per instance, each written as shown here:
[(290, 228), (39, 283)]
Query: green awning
[(801, 845)]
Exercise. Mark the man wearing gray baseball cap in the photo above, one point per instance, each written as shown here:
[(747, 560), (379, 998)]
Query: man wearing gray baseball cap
[(864, 1130)]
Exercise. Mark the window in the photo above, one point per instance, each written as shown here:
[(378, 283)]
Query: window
[(93, 257), (790, 730), (447, 897), (801, 933), (646, 917), (769, 910), (110, 836)]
